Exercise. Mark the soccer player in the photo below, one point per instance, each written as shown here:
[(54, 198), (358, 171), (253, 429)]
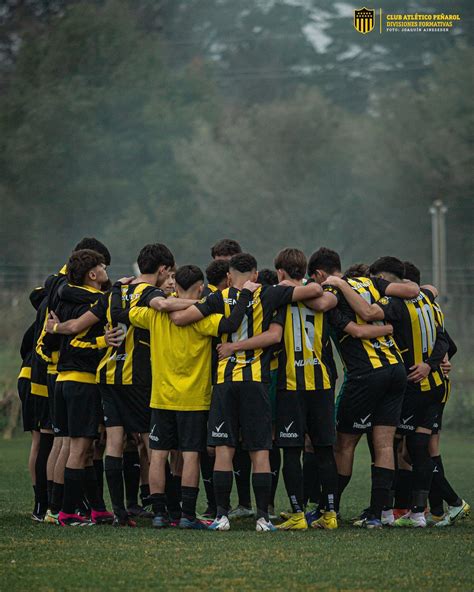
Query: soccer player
[(77, 406), (217, 276), (415, 333), (376, 379), (305, 395), (225, 249), (240, 403), (181, 389)]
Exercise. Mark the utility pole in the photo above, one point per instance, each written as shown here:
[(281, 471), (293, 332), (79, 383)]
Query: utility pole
[(438, 236)]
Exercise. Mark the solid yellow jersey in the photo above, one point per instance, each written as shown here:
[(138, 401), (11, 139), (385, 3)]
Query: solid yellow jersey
[(180, 359), (301, 362)]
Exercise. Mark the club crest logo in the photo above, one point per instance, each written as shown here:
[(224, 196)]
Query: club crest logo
[(364, 20)]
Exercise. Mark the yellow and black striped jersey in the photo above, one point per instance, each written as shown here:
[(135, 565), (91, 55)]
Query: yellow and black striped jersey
[(79, 355), (301, 365), (209, 289), (361, 355), (418, 333), (250, 365), (128, 364)]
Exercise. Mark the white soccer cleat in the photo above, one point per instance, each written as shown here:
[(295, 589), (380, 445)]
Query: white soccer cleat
[(241, 512), (388, 518), (221, 523), (264, 526), (454, 513)]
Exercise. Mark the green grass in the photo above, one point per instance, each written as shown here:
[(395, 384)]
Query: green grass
[(41, 557)]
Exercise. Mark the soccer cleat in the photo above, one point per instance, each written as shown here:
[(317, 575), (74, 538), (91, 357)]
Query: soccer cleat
[(399, 512), (138, 512), (328, 521), (313, 515), (369, 522), (286, 515), (387, 517), (221, 523), (51, 518), (432, 519), (271, 513), (102, 517), (411, 520), (362, 516), (160, 521), (265, 525), (73, 520), (241, 512), (454, 513), (194, 524), (296, 521), (37, 517)]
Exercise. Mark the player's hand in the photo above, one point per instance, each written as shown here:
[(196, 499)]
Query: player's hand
[(389, 329), (446, 365), (252, 286), (225, 350), (114, 336), (333, 280), (126, 280), (419, 372), (52, 320)]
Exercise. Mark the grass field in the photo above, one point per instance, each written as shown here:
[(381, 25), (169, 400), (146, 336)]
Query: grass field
[(41, 557)]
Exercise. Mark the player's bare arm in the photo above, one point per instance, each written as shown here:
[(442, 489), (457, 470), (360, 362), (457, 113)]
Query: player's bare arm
[(269, 337), (367, 312)]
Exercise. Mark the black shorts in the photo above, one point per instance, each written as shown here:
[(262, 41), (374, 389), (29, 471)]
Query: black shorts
[(371, 399), (77, 409), (437, 426), (127, 406), (27, 404), (178, 430), (421, 409), (41, 416), (300, 412), (240, 408), (51, 381)]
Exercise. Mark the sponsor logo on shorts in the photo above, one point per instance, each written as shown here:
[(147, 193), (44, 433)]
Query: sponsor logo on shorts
[(404, 426), (216, 433), (287, 433), (152, 436), (364, 423)]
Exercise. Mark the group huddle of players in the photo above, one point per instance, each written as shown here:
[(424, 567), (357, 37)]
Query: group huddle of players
[(176, 378)]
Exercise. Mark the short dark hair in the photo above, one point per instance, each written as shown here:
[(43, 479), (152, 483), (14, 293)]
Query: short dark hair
[(80, 263), (267, 277), (187, 275), (225, 247), (93, 244), (216, 271), (243, 262), (325, 259), (357, 270), (412, 272), (388, 264), (151, 257), (293, 261)]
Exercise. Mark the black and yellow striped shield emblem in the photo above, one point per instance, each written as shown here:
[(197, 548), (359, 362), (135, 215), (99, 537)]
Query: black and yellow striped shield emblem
[(364, 20)]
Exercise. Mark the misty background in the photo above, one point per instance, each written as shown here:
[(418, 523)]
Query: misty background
[(271, 122)]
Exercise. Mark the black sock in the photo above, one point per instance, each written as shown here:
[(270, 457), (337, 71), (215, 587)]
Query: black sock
[(293, 477), (131, 476), (57, 494), (177, 486), (242, 470), (73, 490), (381, 484), (403, 488), (114, 476), (222, 488), (99, 473), (93, 496), (328, 476), (190, 495), (173, 498), (144, 493), (370, 444), (311, 483), (342, 483), (158, 503), (49, 487), (441, 488), (418, 448), (41, 489), (262, 487), (275, 464), (207, 468)]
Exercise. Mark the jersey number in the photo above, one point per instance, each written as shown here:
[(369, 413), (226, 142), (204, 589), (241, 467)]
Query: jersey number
[(308, 330)]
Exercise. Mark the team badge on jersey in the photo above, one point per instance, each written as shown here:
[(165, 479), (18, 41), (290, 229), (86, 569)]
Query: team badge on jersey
[(364, 20)]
